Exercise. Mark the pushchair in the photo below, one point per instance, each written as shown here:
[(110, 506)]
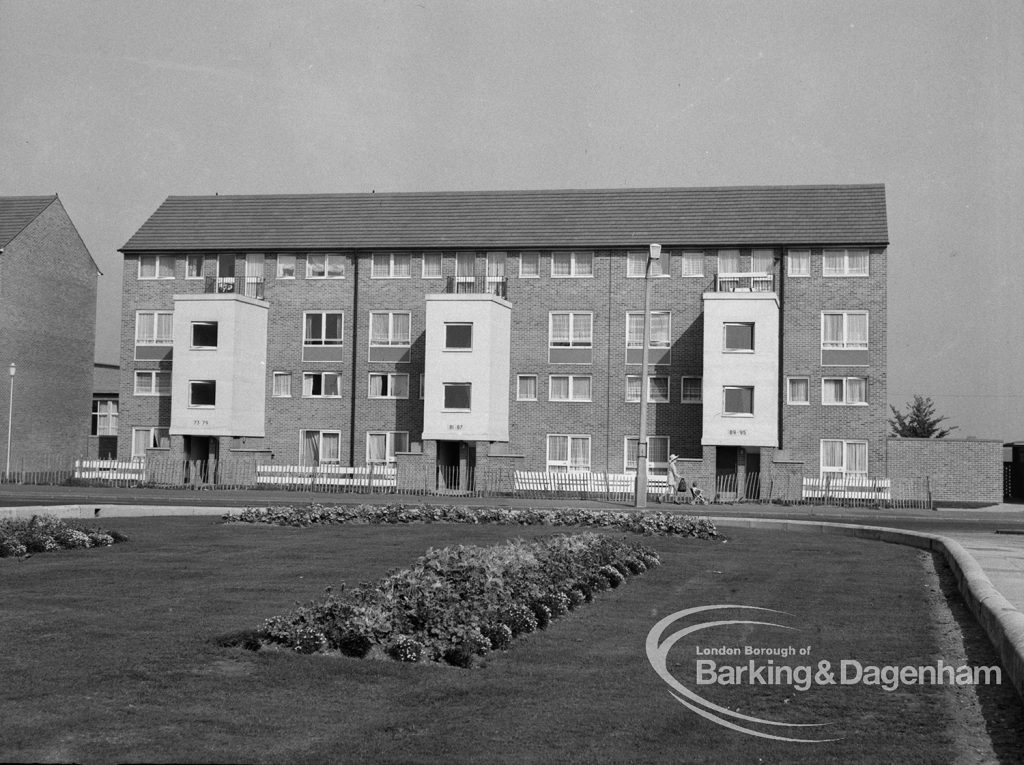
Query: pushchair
[(697, 495)]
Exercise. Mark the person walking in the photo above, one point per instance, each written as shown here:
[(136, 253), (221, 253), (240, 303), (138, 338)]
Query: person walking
[(674, 481)]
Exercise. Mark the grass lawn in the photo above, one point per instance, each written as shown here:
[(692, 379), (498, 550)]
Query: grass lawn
[(110, 655)]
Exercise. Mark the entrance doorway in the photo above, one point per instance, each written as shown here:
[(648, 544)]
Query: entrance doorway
[(726, 463), (456, 464), (201, 459)]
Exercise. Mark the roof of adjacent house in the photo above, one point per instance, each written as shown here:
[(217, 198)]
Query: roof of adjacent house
[(17, 212), (723, 216)]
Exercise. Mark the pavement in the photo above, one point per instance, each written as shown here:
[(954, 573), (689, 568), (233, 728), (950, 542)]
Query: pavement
[(984, 546)]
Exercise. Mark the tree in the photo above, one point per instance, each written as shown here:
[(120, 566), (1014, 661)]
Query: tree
[(919, 421)]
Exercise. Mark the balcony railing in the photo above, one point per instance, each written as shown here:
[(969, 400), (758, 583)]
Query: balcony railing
[(477, 285), (249, 286), (745, 282)]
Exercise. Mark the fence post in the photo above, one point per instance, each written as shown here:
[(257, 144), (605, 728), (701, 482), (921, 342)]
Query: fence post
[(928, 490)]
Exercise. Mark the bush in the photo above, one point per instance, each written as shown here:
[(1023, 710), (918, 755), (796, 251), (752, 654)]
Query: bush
[(46, 533), (457, 603)]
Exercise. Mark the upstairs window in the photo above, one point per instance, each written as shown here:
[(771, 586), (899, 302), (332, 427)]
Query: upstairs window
[(282, 385), (322, 328), (844, 263), (321, 384), (202, 394), (661, 329), (390, 328), (526, 388), (693, 263), (431, 265), (458, 336), (798, 391), (458, 396), (285, 266), (152, 383), (692, 390), (844, 330), (325, 266), (193, 266), (156, 266), (569, 264), (798, 263), (636, 264), (844, 391), (738, 401), (570, 330), (389, 385), (204, 334), (738, 337), (391, 265), (153, 327), (569, 388), (529, 265), (657, 389)]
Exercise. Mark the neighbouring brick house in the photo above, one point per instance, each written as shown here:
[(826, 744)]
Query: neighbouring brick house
[(47, 329), (479, 327)]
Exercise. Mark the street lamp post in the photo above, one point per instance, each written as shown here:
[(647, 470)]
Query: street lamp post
[(641, 444), (10, 422)]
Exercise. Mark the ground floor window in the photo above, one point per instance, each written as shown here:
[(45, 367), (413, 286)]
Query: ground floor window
[(104, 417), (381, 447), (568, 453), (321, 447), (657, 455), (149, 438), (842, 459)]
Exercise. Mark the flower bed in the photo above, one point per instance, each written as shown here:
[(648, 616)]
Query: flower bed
[(458, 603), (45, 533), (639, 522)]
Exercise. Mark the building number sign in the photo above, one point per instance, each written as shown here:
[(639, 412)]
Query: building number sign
[(737, 432)]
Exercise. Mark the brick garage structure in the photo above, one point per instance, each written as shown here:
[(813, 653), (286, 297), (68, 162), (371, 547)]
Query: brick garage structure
[(795, 275), (958, 471), (47, 328)]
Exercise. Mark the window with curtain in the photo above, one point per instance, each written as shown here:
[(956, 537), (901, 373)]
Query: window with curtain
[(572, 264), (569, 388), (149, 438), (389, 385), (728, 261), (321, 384), (661, 329), (154, 327), (798, 263), (325, 266), (321, 447), (844, 263), (526, 387), (282, 384), (431, 265), (657, 455), (658, 390), (693, 263), (285, 266), (692, 390), (633, 383), (844, 330), (152, 383), (529, 265), (844, 390), (390, 265), (382, 447), (570, 330), (156, 267), (636, 264), (104, 417), (568, 453), (799, 390), (843, 458), (193, 266), (390, 328)]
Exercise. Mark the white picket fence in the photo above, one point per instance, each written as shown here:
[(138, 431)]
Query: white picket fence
[(110, 470), (372, 477), (849, 488)]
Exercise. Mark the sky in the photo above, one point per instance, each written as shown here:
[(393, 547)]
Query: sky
[(116, 105)]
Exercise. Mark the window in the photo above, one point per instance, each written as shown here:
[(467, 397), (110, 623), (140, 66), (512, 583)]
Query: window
[(226, 266), (569, 388), (692, 390), (193, 266), (156, 266), (282, 385), (738, 401), (849, 391), (798, 263), (728, 261), (738, 337), (458, 337), (465, 271), (390, 265), (798, 390), (390, 328), (104, 417), (202, 393), (762, 264), (423, 387), (844, 263), (572, 264), (431, 265), (661, 329), (844, 330), (693, 264), (381, 447), (529, 265), (285, 266), (153, 327), (657, 389), (636, 264), (321, 384), (325, 266), (389, 385), (322, 328), (570, 330), (526, 388), (149, 438), (495, 264), (204, 334), (657, 455), (152, 383), (843, 458), (320, 447), (568, 454), (457, 395)]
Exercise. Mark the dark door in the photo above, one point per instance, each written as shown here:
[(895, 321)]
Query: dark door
[(726, 460), (752, 480)]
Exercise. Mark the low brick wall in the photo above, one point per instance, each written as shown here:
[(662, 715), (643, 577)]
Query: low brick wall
[(961, 471)]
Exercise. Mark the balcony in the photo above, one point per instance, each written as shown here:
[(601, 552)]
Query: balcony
[(745, 282), (477, 285), (248, 286)]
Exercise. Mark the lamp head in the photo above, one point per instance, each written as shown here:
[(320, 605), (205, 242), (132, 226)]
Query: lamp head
[(655, 251), (12, 369)]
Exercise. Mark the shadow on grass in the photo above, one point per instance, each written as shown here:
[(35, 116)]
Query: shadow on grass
[(1000, 705)]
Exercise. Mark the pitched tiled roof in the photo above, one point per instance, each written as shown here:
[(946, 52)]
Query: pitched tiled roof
[(17, 212), (756, 215)]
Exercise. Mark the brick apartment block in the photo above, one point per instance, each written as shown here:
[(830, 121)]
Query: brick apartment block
[(479, 328)]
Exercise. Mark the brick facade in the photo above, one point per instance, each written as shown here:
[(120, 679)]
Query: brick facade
[(47, 328), (961, 471)]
